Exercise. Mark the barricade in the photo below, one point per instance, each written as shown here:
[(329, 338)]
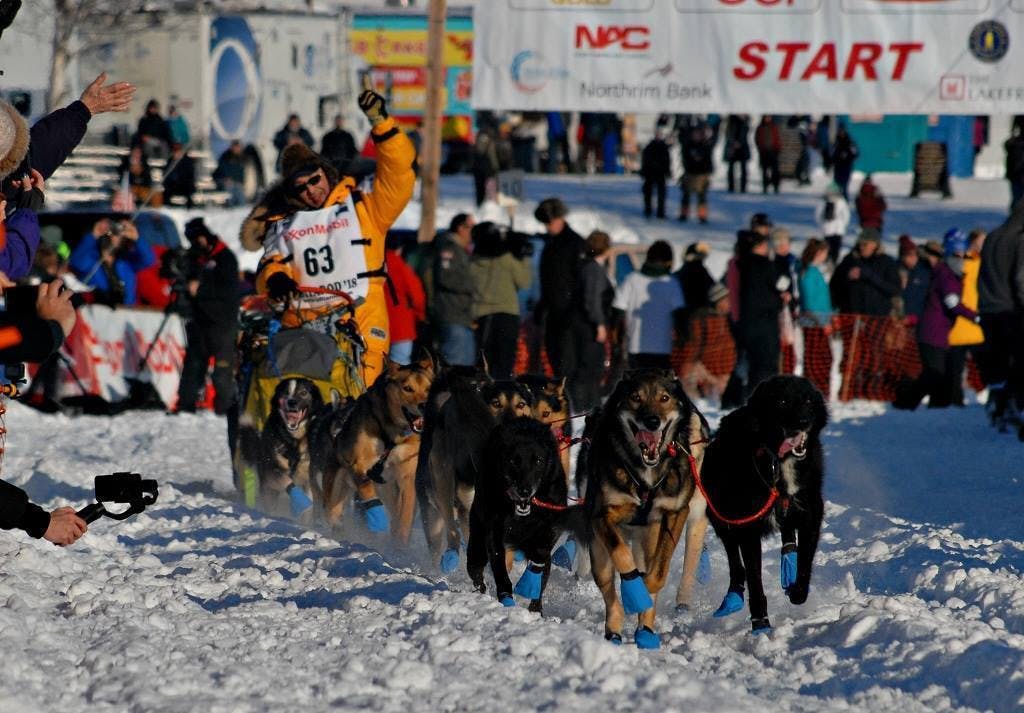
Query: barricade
[(875, 355), (104, 350)]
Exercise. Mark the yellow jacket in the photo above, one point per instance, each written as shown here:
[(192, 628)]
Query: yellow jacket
[(376, 212), (964, 331)]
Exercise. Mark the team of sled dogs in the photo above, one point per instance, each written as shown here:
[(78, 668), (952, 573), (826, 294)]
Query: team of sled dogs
[(487, 462)]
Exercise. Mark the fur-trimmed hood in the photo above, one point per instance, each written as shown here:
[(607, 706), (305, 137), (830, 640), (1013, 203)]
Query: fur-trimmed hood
[(275, 205), (14, 139)]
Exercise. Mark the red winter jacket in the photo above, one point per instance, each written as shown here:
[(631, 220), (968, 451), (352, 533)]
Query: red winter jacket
[(870, 206), (153, 290), (412, 301)]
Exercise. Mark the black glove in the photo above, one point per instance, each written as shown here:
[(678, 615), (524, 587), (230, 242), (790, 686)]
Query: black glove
[(280, 286), (372, 103)]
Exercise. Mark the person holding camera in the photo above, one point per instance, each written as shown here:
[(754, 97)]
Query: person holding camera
[(109, 258), (21, 195), (212, 331), (17, 512), (500, 266), (33, 329)]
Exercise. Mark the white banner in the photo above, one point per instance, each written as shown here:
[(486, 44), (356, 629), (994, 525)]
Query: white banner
[(106, 346), (751, 56)]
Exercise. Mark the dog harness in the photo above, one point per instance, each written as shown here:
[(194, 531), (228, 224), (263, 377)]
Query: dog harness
[(773, 492), (646, 493)]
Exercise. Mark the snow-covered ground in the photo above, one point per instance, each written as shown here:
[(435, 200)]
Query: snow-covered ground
[(203, 605), (917, 603)]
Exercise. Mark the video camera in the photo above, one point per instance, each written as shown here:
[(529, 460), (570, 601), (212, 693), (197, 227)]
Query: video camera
[(126, 488), (493, 240)]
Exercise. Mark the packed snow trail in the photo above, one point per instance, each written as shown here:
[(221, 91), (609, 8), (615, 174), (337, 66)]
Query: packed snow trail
[(202, 604)]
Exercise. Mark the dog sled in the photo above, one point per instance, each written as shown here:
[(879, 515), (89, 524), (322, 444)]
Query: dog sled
[(327, 351)]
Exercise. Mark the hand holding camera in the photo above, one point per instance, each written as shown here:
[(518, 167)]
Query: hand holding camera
[(65, 527), (33, 180), (54, 303)]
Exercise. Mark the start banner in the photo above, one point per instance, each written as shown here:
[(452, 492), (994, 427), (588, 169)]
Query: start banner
[(106, 346), (751, 56)]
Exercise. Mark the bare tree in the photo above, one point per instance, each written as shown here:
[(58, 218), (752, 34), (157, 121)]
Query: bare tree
[(77, 25)]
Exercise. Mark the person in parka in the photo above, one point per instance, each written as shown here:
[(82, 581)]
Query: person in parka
[(312, 247)]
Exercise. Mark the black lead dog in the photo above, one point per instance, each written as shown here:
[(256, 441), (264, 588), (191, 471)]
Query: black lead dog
[(520, 503), (763, 472)]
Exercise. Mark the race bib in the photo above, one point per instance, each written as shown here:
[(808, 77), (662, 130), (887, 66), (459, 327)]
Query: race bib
[(326, 248)]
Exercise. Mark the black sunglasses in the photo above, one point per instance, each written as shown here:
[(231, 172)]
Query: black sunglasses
[(300, 187)]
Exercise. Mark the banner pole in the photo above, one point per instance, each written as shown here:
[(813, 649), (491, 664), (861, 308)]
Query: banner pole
[(430, 156)]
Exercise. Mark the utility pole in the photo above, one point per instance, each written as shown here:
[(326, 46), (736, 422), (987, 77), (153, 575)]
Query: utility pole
[(430, 147)]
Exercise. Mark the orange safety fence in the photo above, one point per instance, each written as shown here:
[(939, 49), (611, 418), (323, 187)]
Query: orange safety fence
[(708, 356), (877, 353)]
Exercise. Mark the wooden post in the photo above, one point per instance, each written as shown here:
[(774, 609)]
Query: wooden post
[(430, 147)]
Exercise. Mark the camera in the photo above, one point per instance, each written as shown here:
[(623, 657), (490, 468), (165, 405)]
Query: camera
[(126, 488), (492, 240)]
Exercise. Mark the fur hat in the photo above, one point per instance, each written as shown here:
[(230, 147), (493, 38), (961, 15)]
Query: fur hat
[(297, 159), (13, 139)]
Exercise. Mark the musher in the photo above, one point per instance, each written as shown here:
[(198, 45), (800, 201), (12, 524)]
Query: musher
[(323, 238)]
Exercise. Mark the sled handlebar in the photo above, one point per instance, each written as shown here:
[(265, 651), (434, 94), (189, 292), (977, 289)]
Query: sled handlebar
[(326, 291)]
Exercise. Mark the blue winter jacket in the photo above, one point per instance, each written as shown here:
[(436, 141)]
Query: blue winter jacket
[(22, 240), (86, 256), (815, 300)]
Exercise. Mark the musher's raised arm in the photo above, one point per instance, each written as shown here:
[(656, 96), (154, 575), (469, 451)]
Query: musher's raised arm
[(395, 179)]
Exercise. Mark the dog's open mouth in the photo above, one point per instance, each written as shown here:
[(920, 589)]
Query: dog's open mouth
[(520, 505), (293, 417), (795, 444), (415, 421), (649, 443)]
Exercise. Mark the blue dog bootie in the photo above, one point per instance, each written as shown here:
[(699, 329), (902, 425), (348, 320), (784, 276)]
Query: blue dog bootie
[(760, 627), (298, 499), (529, 585), (375, 514), (506, 600), (518, 556), (645, 638), (788, 568), (732, 603), (449, 561), (635, 597), (565, 555), (704, 567)]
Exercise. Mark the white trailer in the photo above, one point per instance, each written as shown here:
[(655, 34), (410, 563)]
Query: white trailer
[(236, 76)]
